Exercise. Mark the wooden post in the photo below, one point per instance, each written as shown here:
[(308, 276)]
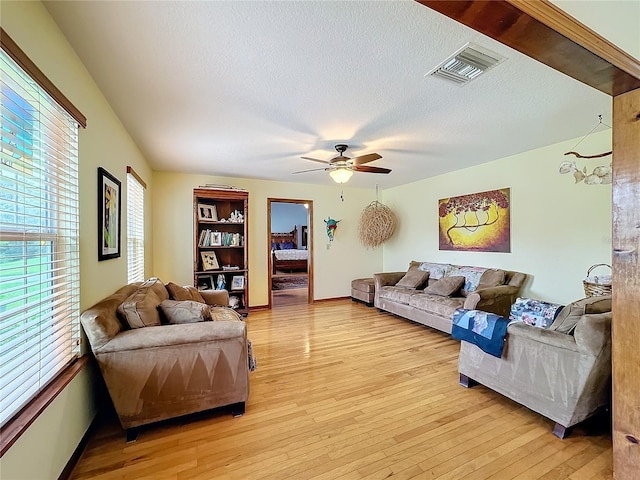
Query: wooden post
[(626, 285)]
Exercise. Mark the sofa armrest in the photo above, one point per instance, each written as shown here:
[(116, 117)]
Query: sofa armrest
[(215, 297), (387, 278), (593, 333), (550, 338), (173, 335), (496, 300)]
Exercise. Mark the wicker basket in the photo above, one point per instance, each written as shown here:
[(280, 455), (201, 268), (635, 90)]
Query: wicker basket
[(595, 289)]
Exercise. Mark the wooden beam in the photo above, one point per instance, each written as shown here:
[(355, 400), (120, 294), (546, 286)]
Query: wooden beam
[(626, 288), (516, 27)]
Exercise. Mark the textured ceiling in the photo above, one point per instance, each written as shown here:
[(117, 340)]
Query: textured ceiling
[(247, 88)]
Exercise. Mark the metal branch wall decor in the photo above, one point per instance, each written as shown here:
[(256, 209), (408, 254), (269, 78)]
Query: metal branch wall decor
[(601, 175), (377, 224)]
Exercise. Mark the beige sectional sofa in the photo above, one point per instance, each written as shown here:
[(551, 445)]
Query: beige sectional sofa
[(154, 370), (491, 290)]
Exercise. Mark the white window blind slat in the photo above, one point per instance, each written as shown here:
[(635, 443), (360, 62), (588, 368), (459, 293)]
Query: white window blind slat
[(39, 239), (135, 229)]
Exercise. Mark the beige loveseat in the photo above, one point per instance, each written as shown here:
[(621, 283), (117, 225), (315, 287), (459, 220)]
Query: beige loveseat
[(563, 372), (153, 370), (490, 290)]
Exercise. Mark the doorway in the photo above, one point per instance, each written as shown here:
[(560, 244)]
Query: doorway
[(290, 251)]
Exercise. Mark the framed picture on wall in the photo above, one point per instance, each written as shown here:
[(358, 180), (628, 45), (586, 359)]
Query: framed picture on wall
[(109, 210)]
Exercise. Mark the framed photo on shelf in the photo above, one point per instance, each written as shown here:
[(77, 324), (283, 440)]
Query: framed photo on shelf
[(216, 239), (205, 282), (109, 208), (207, 212), (237, 282), (209, 261)]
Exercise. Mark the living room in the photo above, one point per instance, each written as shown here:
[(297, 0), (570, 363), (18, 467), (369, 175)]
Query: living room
[(556, 221)]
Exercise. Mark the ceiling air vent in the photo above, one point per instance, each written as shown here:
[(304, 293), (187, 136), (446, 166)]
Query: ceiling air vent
[(466, 64)]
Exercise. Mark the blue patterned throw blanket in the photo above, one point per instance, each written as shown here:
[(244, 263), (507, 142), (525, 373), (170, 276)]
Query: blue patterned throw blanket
[(486, 330)]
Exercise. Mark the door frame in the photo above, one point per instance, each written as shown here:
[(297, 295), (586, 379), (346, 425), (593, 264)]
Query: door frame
[(309, 204)]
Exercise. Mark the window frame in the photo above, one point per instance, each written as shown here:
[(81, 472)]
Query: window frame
[(20, 422)]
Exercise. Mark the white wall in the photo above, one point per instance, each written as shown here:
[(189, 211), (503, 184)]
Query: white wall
[(616, 20), (334, 268), (53, 437), (558, 229)]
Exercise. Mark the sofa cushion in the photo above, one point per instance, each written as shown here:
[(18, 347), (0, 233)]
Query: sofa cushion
[(414, 278), (436, 270), (471, 277), (436, 304), (568, 317), (491, 278), (534, 312), (176, 292), (396, 294), (184, 311), (140, 309), (446, 286)]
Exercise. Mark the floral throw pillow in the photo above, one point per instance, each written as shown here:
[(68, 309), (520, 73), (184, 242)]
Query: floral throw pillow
[(436, 270), (471, 277)]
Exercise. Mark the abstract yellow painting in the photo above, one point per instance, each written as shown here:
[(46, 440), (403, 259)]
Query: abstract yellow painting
[(478, 222)]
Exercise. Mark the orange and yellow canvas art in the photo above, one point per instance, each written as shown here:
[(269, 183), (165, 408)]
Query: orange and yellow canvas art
[(476, 222)]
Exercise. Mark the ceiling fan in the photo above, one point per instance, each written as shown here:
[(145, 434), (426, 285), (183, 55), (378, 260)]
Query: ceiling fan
[(341, 168)]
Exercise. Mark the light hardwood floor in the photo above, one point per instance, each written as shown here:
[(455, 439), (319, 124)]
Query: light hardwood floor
[(343, 391)]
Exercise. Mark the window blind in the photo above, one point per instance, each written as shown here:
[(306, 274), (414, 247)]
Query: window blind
[(135, 227), (39, 240)]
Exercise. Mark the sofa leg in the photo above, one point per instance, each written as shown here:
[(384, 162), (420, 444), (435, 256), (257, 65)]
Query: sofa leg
[(561, 431), (467, 382), (132, 434), (237, 409)]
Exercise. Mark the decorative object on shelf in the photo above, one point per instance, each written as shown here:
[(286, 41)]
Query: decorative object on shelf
[(221, 282), (209, 261), (331, 227), (601, 175), (237, 282), (109, 211), (377, 224), (476, 222), (598, 284)]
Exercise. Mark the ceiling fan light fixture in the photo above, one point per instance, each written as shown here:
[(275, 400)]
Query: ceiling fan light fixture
[(341, 175)]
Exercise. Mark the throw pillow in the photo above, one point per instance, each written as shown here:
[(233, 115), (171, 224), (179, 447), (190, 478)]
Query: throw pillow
[(486, 330), (184, 311), (414, 278), (567, 319), (176, 292), (445, 287), (534, 312), (286, 246), (224, 314), (140, 308), (491, 278), (471, 277)]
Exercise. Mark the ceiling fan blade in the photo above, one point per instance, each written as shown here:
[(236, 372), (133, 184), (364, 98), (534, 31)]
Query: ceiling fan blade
[(370, 157), (312, 170), (315, 160), (366, 169)]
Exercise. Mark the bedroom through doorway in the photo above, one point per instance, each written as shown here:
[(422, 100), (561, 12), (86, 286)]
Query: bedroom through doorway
[(290, 246)]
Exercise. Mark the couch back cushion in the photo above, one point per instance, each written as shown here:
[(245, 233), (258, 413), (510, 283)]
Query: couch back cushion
[(491, 278), (436, 270), (101, 322), (471, 277), (569, 316), (141, 308), (176, 292)]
